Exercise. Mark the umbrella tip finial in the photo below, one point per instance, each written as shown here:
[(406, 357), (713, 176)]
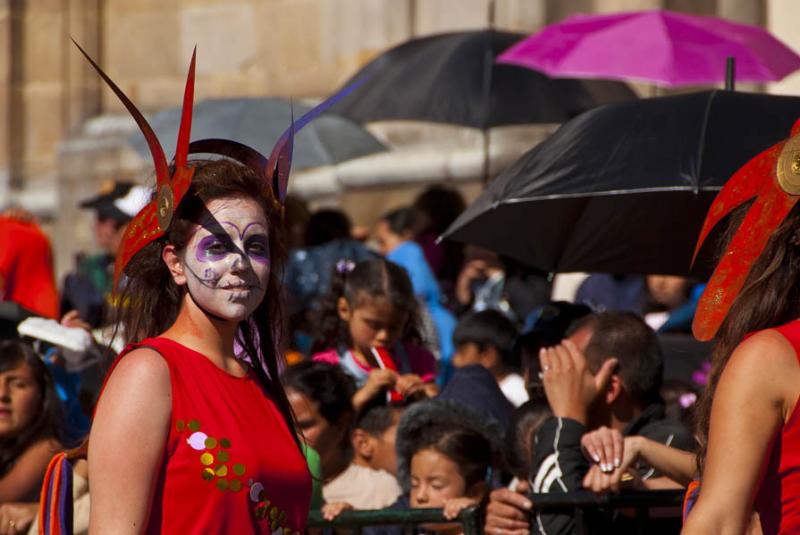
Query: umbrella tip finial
[(730, 73)]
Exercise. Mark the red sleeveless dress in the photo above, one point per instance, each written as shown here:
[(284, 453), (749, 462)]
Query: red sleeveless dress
[(778, 498), (231, 464)]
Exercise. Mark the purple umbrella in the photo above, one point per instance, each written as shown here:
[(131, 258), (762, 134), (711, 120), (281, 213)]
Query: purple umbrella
[(660, 47)]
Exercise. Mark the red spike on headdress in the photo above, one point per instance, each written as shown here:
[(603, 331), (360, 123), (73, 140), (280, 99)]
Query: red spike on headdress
[(153, 220), (774, 175), (182, 147)]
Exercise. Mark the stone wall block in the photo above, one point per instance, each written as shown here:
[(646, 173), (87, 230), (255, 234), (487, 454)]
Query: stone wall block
[(44, 45), (141, 45), (43, 121), (224, 33), (437, 16)]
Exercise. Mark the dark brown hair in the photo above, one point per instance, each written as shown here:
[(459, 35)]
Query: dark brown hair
[(625, 336), (150, 300), (467, 448), (370, 279), (770, 297)]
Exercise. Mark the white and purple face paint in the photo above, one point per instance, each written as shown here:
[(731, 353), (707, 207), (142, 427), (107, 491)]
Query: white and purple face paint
[(227, 259)]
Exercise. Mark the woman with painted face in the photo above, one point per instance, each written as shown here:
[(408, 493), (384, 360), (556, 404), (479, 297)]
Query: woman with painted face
[(175, 425), (193, 431)]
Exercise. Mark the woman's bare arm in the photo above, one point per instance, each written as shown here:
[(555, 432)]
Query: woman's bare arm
[(127, 443), (22, 482), (754, 395), (678, 465)]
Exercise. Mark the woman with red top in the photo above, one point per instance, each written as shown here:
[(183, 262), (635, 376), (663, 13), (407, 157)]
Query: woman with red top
[(368, 325), (193, 432), (749, 424), (193, 436)]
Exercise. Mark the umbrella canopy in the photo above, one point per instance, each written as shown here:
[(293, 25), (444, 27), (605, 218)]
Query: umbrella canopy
[(452, 78), (661, 47), (624, 188), (259, 122)]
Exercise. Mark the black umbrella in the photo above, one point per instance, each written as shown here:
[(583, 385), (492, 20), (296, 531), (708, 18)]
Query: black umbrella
[(258, 122), (625, 188), (452, 78)]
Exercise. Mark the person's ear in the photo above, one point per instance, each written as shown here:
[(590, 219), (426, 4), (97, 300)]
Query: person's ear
[(613, 389), (490, 357), (174, 264), (362, 444), (343, 309)]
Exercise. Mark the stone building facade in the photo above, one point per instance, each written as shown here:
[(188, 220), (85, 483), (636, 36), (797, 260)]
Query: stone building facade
[(63, 132)]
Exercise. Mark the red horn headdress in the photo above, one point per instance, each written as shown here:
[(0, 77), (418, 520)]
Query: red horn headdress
[(773, 178), (154, 219)]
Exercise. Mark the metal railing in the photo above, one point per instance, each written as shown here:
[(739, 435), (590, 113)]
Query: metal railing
[(408, 519), (577, 503)]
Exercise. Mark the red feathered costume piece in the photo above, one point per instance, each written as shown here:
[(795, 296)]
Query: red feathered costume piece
[(773, 178)]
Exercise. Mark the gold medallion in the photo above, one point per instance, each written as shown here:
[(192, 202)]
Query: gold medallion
[(164, 207), (789, 167)]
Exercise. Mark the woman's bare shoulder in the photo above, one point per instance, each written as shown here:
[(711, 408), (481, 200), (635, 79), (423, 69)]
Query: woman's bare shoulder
[(142, 364), (767, 348), (766, 362), (142, 370)]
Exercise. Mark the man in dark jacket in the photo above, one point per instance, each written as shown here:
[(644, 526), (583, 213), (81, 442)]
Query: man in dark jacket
[(607, 372)]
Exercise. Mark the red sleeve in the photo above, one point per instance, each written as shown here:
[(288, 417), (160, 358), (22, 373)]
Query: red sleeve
[(422, 362), (33, 283)]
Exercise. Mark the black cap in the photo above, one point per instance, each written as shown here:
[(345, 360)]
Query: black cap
[(103, 202)]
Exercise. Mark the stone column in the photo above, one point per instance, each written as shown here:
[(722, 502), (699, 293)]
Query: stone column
[(6, 62)]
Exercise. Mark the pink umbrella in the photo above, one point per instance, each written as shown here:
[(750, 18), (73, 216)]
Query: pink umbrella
[(660, 47)]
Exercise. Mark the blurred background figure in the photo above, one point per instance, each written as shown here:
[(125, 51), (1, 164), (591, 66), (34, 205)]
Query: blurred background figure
[(27, 283), (488, 282), (319, 395), (481, 282), (87, 290), (394, 233), (31, 431), (487, 338), (671, 303), (612, 292), (434, 210), (369, 482), (327, 239)]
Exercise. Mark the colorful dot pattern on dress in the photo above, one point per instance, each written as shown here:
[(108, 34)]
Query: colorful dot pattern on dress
[(214, 468)]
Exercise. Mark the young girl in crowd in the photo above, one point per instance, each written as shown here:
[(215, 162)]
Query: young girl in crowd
[(320, 395), (30, 422), (368, 326), (394, 233), (445, 456), (30, 432), (450, 469)]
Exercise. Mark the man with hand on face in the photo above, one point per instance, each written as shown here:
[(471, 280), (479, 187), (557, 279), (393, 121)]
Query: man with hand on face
[(605, 374)]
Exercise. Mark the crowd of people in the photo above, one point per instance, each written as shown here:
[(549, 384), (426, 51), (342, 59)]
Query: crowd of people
[(251, 361), (406, 386)]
